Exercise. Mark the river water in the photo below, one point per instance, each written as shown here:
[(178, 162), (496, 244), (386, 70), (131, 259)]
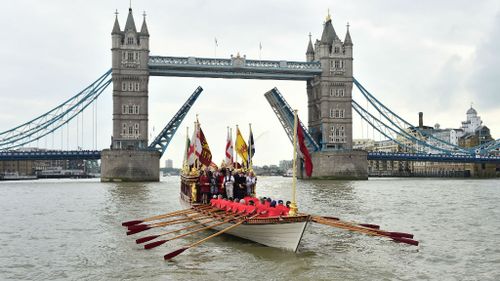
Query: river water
[(71, 230)]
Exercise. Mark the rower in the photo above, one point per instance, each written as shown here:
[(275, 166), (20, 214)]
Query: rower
[(242, 207), (250, 208), (273, 211), (214, 201), (262, 208)]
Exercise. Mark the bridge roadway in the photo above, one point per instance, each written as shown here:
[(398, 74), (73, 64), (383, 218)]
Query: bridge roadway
[(96, 154), (455, 158), (235, 67)]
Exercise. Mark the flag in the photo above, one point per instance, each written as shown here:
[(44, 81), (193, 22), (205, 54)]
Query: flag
[(260, 45), (251, 148), (302, 150), (191, 155), (241, 146), (202, 150), (216, 43), (229, 150)]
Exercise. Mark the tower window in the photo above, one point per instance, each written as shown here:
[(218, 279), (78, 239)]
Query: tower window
[(336, 50), (130, 40)]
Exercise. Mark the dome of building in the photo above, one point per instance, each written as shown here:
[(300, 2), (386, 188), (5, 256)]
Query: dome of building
[(471, 111)]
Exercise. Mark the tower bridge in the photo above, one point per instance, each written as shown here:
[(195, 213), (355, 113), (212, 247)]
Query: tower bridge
[(327, 73)]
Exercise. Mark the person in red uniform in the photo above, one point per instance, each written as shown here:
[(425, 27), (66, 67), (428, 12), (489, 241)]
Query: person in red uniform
[(250, 208), (242, 207), (286, 210), (204, 187), (273, 211), (280, 206), (262, 209), (214, 201)]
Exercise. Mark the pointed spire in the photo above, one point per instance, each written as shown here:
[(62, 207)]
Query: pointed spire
[(310, 49), (144, 28), (130, 24), (347, 40), (328, 34), (116, 26)]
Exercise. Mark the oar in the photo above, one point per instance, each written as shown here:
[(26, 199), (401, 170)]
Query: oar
[(179, 251), (143, 227), (369, 225), (367, 231), (171, 214), (373, 227), (132, 227), (152, 237), (160, 242)]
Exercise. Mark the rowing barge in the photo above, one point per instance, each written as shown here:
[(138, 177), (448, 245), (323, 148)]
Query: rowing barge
[(278, 232)]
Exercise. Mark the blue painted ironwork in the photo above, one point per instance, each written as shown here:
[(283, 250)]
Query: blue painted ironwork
[(161, 142), (52, 120), (50, 155), (235, 67), (400, 123), (455, 158), (285, 115)]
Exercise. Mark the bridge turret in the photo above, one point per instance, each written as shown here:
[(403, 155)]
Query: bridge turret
[(329, 95), (130, 56)]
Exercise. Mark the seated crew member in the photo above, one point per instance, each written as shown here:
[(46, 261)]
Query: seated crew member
[(280, 206), (236, 204), (214, 201), (229, 204), (242, 207), (250, 208), (273, 211), (268, 202), (262, 209), (286, 209), (218, 202)]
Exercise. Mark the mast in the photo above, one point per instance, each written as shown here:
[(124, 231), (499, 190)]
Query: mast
[(293, 206)]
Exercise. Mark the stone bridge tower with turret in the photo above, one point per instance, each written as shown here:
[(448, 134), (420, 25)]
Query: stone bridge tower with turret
[(128, 158), (329, 105)]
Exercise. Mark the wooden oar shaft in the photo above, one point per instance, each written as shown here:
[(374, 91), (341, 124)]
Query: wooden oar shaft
[(178, 221), (187, 227), (201, 229), (366, 231), (220, 232)]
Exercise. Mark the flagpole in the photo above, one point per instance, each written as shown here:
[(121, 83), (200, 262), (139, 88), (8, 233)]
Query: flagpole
[(232, 145), (185, 166), (250, 149), (293, 206), (236, 154)]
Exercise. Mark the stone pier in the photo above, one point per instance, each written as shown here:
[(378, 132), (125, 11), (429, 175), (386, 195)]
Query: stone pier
[(130, 165), (339, 165)]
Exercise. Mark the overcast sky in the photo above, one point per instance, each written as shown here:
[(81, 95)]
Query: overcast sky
[(432, 56)]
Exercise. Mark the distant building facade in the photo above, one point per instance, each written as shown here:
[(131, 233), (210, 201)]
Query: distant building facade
[(169, 164)]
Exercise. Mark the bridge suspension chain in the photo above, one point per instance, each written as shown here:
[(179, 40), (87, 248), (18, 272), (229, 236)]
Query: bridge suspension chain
[(52, 120)]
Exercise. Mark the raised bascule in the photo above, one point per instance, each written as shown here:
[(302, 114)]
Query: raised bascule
[(328, 76)]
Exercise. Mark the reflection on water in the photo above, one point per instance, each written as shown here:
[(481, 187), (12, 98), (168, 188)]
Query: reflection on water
[(70, 230)]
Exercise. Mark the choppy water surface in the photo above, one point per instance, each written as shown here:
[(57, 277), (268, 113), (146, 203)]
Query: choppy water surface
[(70, 230)]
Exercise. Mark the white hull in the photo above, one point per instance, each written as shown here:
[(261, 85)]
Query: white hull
[(278, 235)]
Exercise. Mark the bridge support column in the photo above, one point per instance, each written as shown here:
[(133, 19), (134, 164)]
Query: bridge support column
[(339, 165), (130, 165)]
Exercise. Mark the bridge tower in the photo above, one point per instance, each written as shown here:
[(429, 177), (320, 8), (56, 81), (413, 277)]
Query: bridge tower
[(329, 105), (128, 158)]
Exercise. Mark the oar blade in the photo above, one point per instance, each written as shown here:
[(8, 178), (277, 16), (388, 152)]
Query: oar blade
[(132, 227), (174, 253), (400, 234), (154, 244), (405, 240), (369, 225), (138, 229), (129, 223), (146, 239)]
